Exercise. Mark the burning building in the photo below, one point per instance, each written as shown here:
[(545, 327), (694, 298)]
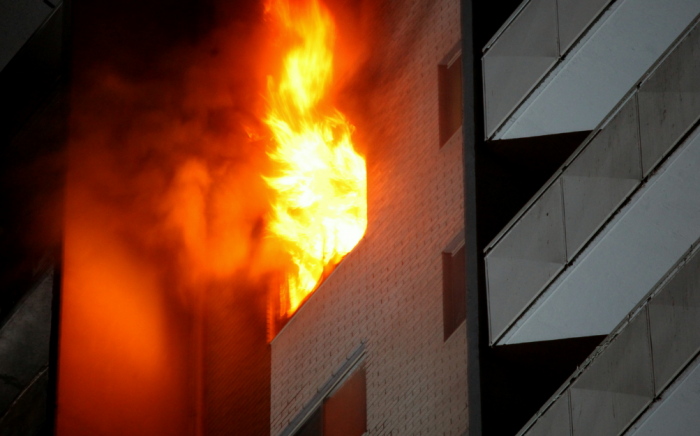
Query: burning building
[(369, 346), (580, 281), (307, 217)]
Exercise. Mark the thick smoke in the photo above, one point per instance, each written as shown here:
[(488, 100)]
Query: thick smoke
[(169, 153), (164, 283), (167, 263)]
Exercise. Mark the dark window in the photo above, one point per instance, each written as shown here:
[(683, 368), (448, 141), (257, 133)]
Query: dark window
[(343, 412), (454, 285), (313, 426), (450, 94)]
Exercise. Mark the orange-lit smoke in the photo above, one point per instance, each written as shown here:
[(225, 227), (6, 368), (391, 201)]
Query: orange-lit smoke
[(169, 221), (165, 203), (319, 210)]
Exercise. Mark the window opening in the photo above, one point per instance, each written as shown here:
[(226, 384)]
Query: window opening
[(450, 94), (343, 412), (454, 285), (313, 426)]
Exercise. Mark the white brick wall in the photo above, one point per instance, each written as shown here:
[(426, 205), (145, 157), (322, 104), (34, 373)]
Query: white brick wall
[(389, 289)]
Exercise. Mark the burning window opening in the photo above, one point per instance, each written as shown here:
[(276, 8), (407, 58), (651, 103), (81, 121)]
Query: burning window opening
[(319, 210)]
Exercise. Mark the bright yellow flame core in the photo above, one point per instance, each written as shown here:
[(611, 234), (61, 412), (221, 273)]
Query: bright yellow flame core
[(320, 208)]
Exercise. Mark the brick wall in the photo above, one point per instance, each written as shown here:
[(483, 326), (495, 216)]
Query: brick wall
[(389, 289)]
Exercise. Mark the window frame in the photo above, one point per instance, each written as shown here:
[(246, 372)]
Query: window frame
[(450, 99), (454, 302), (354, 363)]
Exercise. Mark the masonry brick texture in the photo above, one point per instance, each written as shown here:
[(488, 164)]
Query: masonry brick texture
[(388, 290)]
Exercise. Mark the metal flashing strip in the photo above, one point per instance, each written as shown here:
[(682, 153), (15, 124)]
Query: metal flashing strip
[(505, 25), (455, 244), (452, 55), (351, 362)]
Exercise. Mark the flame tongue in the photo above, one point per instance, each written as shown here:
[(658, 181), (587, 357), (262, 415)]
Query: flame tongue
[(320, 207)]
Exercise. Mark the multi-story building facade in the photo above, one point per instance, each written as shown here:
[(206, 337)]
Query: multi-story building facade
[(530, 263), (381, 311), (581, 194), (606, 247)]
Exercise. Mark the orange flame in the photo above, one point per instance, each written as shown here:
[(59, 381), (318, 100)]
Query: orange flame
[(320, 209)]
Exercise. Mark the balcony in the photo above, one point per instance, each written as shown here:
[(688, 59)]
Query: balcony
[(613, 219), (560, 66), (645, 377)]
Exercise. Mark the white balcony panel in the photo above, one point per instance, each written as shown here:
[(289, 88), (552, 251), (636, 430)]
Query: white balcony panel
[(601, 68), (676, 414), (574, 16), (18, 21), (617, 384), (520, 265), (642, 379), (519, 59), (624, 262)]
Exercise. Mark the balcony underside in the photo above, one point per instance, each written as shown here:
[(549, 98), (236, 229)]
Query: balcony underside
[(612, 221), (560, 66)]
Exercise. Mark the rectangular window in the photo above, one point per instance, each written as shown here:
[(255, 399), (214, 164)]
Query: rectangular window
[(343, 412), (454, 285), (450, 94)]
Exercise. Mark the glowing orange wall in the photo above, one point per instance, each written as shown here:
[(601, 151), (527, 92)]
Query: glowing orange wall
[(123, 349), (162, 219)]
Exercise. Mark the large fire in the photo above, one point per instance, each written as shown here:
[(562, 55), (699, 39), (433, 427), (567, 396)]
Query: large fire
[(320, 208)]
